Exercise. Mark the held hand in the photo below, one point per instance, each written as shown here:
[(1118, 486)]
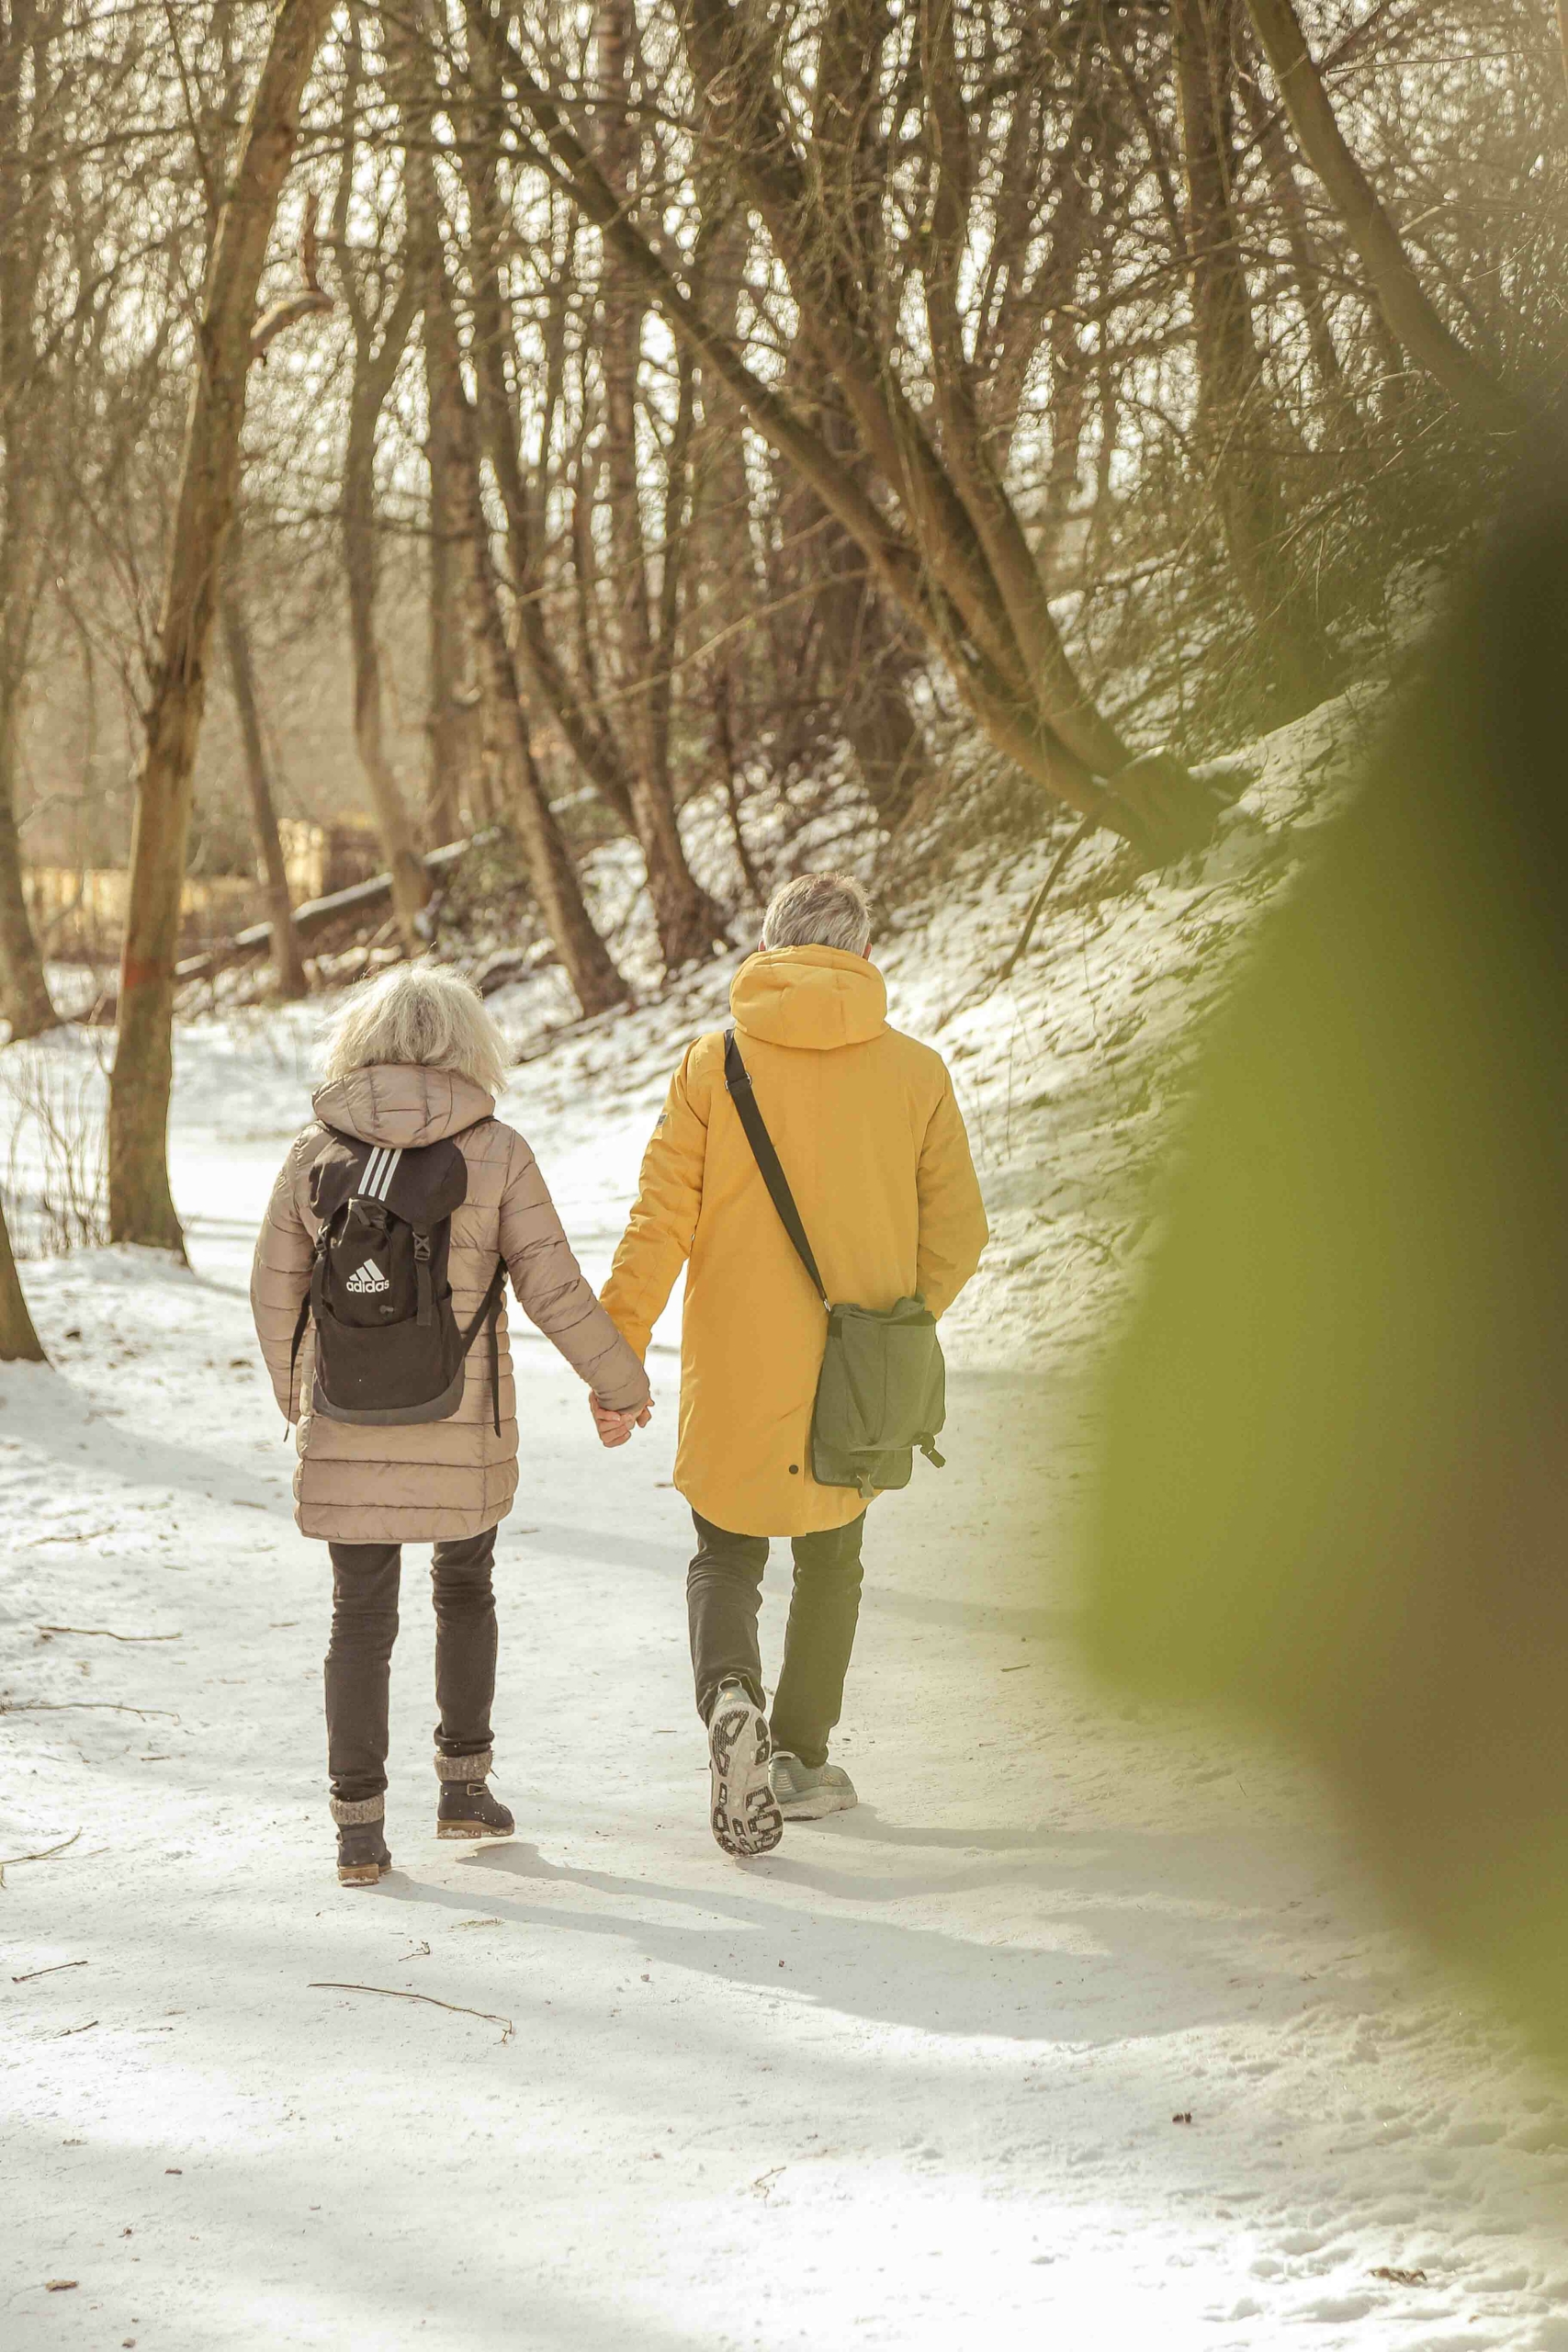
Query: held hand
[(615, 1428)]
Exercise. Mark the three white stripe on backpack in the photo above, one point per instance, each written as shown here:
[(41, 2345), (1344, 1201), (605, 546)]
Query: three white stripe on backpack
[(379, 1171)]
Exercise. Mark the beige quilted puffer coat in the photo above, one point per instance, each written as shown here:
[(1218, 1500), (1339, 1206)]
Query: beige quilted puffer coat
[(418, 1483)]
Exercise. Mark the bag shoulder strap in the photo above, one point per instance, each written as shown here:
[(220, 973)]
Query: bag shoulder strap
[(736, 1078)]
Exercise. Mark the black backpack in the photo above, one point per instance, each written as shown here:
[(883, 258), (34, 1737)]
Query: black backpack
[(389, 1348)]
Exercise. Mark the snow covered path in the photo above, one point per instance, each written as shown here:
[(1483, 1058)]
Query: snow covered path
[(909, 2082)]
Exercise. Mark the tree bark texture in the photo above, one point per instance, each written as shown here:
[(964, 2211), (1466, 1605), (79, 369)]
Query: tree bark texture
[(411, 883), (860, 656), (24, 991), (20, 1343), (590, 741), (1265, 126), (450, 722), (454, 435), (929, 560), (1236, 413), (1400, 294), (288, 962), (26, 178), (141, 1207), (687, 920), (378, 347)]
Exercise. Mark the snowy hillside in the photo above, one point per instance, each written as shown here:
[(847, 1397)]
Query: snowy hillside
[(1068, 1073), (1082, 2030)]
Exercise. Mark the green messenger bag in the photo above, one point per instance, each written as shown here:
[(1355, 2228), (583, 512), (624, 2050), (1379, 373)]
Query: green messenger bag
[(883, 1387)]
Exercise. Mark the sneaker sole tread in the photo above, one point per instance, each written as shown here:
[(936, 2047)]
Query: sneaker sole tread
[(745, 1819)]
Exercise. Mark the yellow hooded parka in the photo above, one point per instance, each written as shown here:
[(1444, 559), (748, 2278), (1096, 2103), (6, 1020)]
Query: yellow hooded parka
[(865, 1125)]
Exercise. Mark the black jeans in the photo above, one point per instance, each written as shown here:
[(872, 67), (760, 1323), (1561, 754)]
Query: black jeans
[(724, 1592), (359, 1656)]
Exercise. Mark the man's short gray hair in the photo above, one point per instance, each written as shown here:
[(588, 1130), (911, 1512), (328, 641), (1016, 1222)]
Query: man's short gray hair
[(819, 910)]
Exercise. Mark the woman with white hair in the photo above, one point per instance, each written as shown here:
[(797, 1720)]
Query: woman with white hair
[(406, 1187)]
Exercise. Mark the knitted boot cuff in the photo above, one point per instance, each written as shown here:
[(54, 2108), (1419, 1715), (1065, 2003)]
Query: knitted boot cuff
[(347, 1811), (464, 1768)]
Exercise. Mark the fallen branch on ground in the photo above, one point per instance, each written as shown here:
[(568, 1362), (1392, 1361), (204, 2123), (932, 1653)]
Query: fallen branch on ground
[(978, 995), (48, 1854), (315, 914), (1037, 906), (395, 1993), (109, 1636), (55, 1968)]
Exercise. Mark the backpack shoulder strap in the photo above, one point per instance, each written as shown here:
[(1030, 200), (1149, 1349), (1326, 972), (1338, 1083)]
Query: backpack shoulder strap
[(490, 1314), (738, 1079)]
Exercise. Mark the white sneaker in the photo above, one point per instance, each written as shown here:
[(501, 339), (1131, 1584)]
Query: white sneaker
[(809, 1791), (744, 1815)]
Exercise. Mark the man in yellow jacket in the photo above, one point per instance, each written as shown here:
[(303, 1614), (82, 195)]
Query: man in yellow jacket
[(871, 1141)]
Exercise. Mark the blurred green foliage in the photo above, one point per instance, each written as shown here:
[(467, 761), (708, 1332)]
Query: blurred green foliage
[(1335, 1488)]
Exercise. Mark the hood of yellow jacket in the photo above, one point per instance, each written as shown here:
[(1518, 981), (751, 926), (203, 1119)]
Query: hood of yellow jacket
[(814, 998)]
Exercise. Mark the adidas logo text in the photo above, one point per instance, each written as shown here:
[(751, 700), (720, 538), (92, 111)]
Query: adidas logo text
[(368, 1277)]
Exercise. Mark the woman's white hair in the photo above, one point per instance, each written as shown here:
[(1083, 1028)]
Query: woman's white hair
[(417, 1013), (819, 910)]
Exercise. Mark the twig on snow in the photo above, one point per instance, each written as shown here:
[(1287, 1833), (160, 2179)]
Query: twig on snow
[(395, 1993), (1037, 906), (71, 1706), (55, 1969), (978, 995), (73, 2029), (46, 1855), (109, 1636)]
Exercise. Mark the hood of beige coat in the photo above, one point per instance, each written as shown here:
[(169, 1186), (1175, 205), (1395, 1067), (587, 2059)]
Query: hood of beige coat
[(401, 1104), (812, 997)]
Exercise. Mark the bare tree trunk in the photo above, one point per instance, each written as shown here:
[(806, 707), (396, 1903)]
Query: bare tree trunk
[(861, 662), (1263, 122), (628, 774), (724, 732), (288, 957), (379, 347), (1070, 417), (860, 646), (588, 738), (1400, 294), (450, 725), (411, 882), (141, 1207), (455, 437), (1235, 410), (24, 409), (24, 991), (688, 922), (20, 1343), (1020, 688)]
